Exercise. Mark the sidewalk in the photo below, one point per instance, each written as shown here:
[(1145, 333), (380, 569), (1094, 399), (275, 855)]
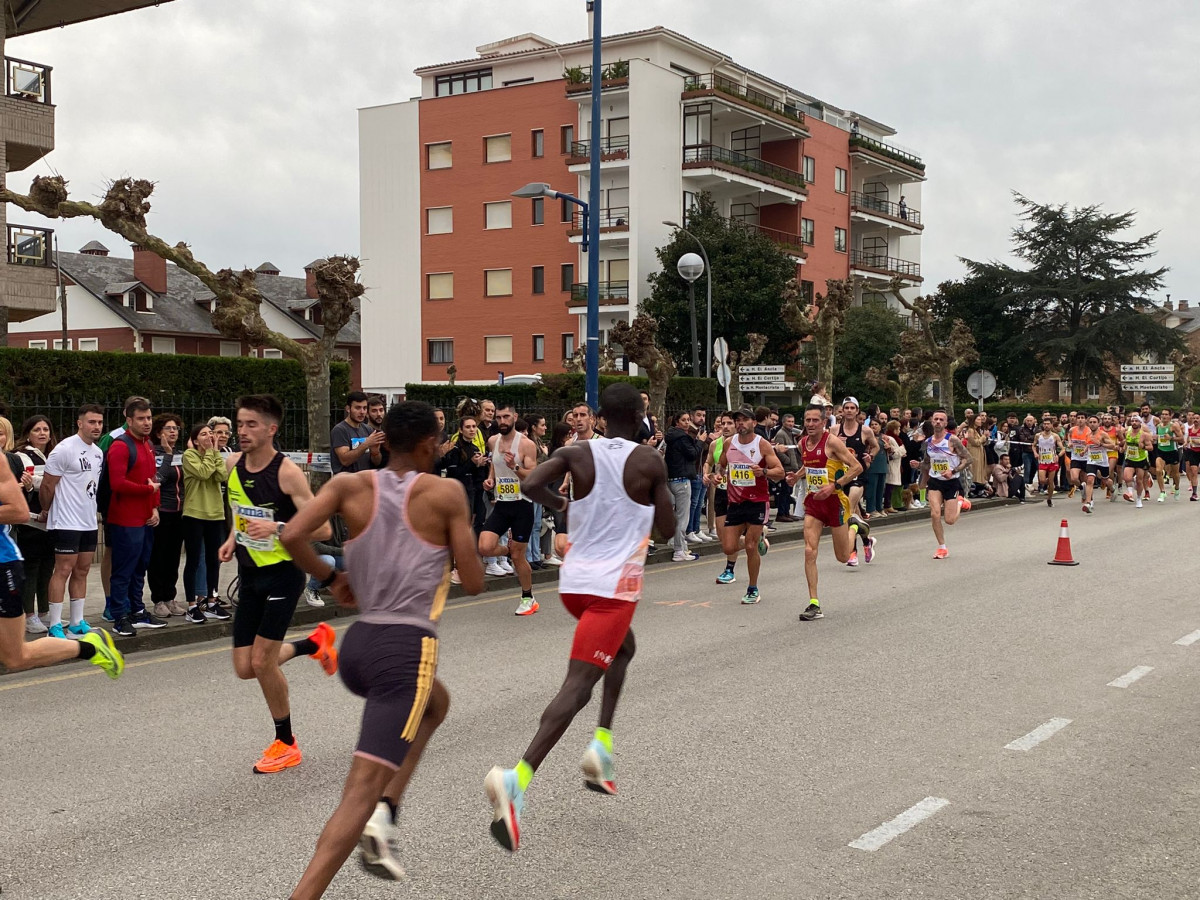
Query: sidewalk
[(180, 632)]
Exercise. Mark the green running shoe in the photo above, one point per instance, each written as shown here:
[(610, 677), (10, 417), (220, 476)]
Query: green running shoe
[(107, 656), (752, 596)]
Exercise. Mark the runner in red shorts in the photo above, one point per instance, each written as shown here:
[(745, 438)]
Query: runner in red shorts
[(620, 490), (827, 468)]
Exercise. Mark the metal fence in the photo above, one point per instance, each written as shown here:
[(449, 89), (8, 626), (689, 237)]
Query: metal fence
[(63, 411)]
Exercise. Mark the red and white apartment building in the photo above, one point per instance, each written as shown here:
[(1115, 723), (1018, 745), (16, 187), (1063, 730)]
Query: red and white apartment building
[(460, 272)]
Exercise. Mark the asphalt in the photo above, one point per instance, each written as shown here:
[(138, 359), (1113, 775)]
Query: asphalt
[(752, 749)]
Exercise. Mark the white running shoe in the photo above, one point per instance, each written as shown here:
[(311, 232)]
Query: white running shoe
[(506, 564), (692, 538), (553, 561), (35, 625), (684, 556), (378, 845), (1138, 505), (705, 538), (493, 569), (312, 598)]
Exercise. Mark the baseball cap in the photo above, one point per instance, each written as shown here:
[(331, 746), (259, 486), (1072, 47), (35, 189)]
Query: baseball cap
[(853, 400), (744, 412)]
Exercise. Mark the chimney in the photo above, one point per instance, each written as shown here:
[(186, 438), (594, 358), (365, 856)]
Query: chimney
[(150, 269), (1183, 305), (310, 279)]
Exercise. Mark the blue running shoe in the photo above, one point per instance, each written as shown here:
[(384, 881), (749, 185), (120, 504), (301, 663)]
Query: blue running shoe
[(763, 546), (597, 766), (108, 613), (752, 596), (726, 577), (56, 631), (508, 800), (81, 629)]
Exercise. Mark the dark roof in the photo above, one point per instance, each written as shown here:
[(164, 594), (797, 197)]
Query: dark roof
[(93, 245), (268, 268), (179, 311)]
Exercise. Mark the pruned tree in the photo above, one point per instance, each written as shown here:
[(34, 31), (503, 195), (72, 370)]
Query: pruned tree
[(923, 352), (739, 358), (123, 211), (1187, 364), (577, 361), (640, 340), (906, 382), (822, 320)]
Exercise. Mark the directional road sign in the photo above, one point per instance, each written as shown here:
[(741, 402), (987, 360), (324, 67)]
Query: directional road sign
[(761, 370), (1146, 369)]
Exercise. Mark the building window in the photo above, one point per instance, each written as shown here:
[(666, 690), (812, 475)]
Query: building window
[(1064, 389), (468, 82), (539, 279), (272, 353), (539, 347), (807, 293), (810, 169), (497, 148), (37, 345), (162, 345), (568, 346), (566, 137), (143, 301), (58, 344), (441, 351), (231, 348), (807, 230), (839, 180), (747, 140), (564, 210), (438, 156), (839, 239), (516, 81), (568, 276), (539, 210), (497, 349), (440, 286), (1093, 390), (537, 140), (439, 220), (497, 215), (498, 282), (89, 344)]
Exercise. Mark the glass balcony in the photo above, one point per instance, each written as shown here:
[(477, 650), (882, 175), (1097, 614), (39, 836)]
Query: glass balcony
[(862, 142), (29, 246), (612, 293), (610, 148), (715, 82)]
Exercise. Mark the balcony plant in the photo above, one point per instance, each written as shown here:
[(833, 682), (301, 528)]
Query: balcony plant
[(619, 69), (575, 75)]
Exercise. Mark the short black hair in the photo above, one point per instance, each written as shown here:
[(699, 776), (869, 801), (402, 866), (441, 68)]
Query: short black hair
[(504, 404), (89, 408), (619, 402), (356, 397), (409, 423), (263, 404), (376, 400)]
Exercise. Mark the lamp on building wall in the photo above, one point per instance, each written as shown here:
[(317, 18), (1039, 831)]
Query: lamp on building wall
[(708, 341)]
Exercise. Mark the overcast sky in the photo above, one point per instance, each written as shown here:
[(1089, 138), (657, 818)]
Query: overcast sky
[(244, 111)]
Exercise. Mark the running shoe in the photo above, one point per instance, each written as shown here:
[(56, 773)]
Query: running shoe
[(493, 569), (597, 766), (1146, 495), (378, 845), (144, 619), (1138, 505), (107, 656), (527, 607), (213, 611), (763, 546), (124, 627), (706, 537), (277, 757), (34, 624), (553, 561), (177, 608), (1177, 495), (454, 579), (752, 596), (1050, 499), (326, 653), (312, 598), (852, 562), (80, 628), (195, 615), (941, 553), (1161, 497), (57, 631), (107, 615), (1086, 508), (965, 505), (508, 801), (1193, 498), (726, 577), (506, 564), (1128, 495), (812, 611), (162, 610), (869, 549), (1071, 492), (692, 538), (684, 556)]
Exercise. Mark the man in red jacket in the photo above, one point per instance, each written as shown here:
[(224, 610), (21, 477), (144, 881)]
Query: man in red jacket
[(132, 515)]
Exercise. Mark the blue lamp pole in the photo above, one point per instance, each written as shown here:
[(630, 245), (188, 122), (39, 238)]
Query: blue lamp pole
[(592, 225)]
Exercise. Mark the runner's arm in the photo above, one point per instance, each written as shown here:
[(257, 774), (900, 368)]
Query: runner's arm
[(302, 529), (835, 447), (527, 462), (772, 465), (13, 508), (537, 486), (294, 482), (961, 452), (452, 499), (664, 503)]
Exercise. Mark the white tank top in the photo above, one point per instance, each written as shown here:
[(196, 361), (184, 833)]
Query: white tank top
[(508, 486), (942, 458), (1046, 447), (609, 533)]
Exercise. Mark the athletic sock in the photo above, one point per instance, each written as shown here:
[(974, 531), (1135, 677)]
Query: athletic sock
[(392, 807), (55, 614), (305, 647), (941, 546), (76, 611), (813, 601), (604, 736), (524, 774), (527, 595), (86, 650), (729, 564), (283, 730)]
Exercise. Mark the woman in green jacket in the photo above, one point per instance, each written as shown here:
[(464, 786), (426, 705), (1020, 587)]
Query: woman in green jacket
[(203, 519)]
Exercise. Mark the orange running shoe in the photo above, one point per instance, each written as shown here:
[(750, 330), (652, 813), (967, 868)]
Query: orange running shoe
[(325, 638), (941, 553), (965, 506), (277, 757)]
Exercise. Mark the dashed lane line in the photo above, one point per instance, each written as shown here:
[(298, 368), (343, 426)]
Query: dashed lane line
[(907, 820), (1039, 734), (1131, 676)]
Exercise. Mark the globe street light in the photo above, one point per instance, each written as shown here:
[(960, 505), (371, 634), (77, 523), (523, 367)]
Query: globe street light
[(690, 267), (708, 290)]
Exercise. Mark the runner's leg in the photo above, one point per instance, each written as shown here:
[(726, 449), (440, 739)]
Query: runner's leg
[(935, 515), (573, 696), (614, 680), (753, 559), (812, 539), (17, 654)]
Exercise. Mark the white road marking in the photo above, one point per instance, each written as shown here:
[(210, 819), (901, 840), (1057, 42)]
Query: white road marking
[(1131, 676), (914, 815), (1039, 734), (1188, 639)]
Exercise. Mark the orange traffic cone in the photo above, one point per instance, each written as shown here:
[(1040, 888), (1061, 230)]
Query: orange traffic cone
[(1062, 556)]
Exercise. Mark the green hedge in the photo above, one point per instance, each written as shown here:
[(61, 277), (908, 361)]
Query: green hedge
[(557, 392)]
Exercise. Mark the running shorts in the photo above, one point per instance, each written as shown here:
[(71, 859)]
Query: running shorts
[(511, 515), (833, 511), (1169, 457), (1048, 467), (949, 489), (12, 579), (721, 503), (1098, 471), (267, 597), (1080, 464), (748, 512), (1191, 457), (392, 667), (1154, 454), (1137, 464), (68, 543), (603, 624)]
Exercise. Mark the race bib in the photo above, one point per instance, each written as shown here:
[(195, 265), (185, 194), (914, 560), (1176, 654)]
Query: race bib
[(816, 478), (940, 468), (1077, 447), (241, 518), (1046, 457), (1098, 456), (508, 489), (741, 476)]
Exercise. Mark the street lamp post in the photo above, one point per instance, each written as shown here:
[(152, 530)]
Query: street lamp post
[(690, 267), (708, 341)]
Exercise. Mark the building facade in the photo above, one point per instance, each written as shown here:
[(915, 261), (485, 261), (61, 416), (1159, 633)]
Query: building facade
[(463, 274)]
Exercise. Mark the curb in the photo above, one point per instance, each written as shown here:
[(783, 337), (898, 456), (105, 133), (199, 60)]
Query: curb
[(183, 634)]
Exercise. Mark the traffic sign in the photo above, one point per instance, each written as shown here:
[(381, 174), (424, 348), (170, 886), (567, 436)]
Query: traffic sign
[(723, 374), (761, 370), (1141, 369), (769, 386), (1157, 387), (1137, 380), (753, 378), (981, 384)]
